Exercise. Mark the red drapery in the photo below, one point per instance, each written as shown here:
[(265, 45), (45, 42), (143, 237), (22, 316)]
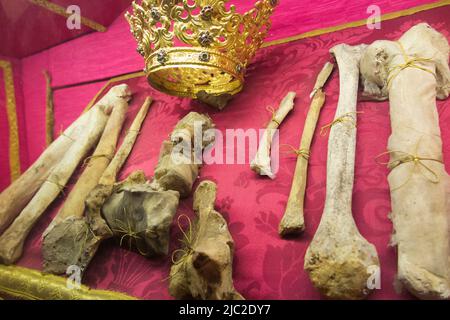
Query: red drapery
[(265, 266)]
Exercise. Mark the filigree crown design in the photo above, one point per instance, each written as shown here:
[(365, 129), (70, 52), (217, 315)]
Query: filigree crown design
[(191, 46)]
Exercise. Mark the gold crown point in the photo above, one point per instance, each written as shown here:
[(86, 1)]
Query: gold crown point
[(191, 46)]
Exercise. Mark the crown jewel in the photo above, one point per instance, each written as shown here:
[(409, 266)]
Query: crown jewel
[(198, 45)]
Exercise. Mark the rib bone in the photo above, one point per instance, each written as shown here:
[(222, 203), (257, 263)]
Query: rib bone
[(338, 259)]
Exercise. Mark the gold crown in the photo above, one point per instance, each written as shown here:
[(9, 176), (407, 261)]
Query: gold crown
[(191, 46)]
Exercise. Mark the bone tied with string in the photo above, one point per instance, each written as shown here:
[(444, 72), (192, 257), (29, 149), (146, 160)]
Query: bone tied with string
[(136, 211), (104, 152), (261, 164), (14, 198), (74, 239), (203, 267), (140, 212), (338, 259), (12, 240), (412, 72), (293, 219)]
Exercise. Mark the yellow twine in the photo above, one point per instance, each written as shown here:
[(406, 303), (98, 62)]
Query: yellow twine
[(96, 156), (187, 241), (304, 153), (60, 186), (410, 62), (274, 116), (347, 117), (61, 133), (127, 231), (130, 130), (409, 158)]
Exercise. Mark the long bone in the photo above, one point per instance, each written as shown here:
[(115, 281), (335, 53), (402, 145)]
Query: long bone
[(339, 259), (261, 163), (75, 240), (142, 211), (13, 239), (204, 270), (14, 198), (412, 72), (293, 221)]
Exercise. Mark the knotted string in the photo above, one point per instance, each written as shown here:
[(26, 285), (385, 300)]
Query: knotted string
[(60, 186), (304, 153), (274, 115), (410, 62), (61, 133), (127, 231), (130, 130), (187, 242), (410, 158), (347, 117), (85, 162)]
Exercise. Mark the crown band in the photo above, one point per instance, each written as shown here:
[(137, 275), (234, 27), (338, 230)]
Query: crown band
[(190, 46), (185, 71)]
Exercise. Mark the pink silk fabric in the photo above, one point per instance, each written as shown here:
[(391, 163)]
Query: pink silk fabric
[(265, 266), (105, 55)]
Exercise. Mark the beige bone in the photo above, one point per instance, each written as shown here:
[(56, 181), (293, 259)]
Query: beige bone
[(204, 271), (261, 164), (420, 197), (13, 239), (19, 193), (339, 259), (75, 240), (104, 152), (293, 221)]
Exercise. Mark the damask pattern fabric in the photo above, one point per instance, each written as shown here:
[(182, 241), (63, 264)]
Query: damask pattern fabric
[(265, 266)]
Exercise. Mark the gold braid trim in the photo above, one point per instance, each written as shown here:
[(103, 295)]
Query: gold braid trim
[(22, 283), (53, 7), (14, 159), (49, 109), (358, 23)]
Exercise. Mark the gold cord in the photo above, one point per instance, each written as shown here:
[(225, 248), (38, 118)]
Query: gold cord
[(347, 117), (409, 158), (61, 133), (274, 116), (187, 241), (85, 162), (410, 62), (60, 186), (127, 231), (304, 153)]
